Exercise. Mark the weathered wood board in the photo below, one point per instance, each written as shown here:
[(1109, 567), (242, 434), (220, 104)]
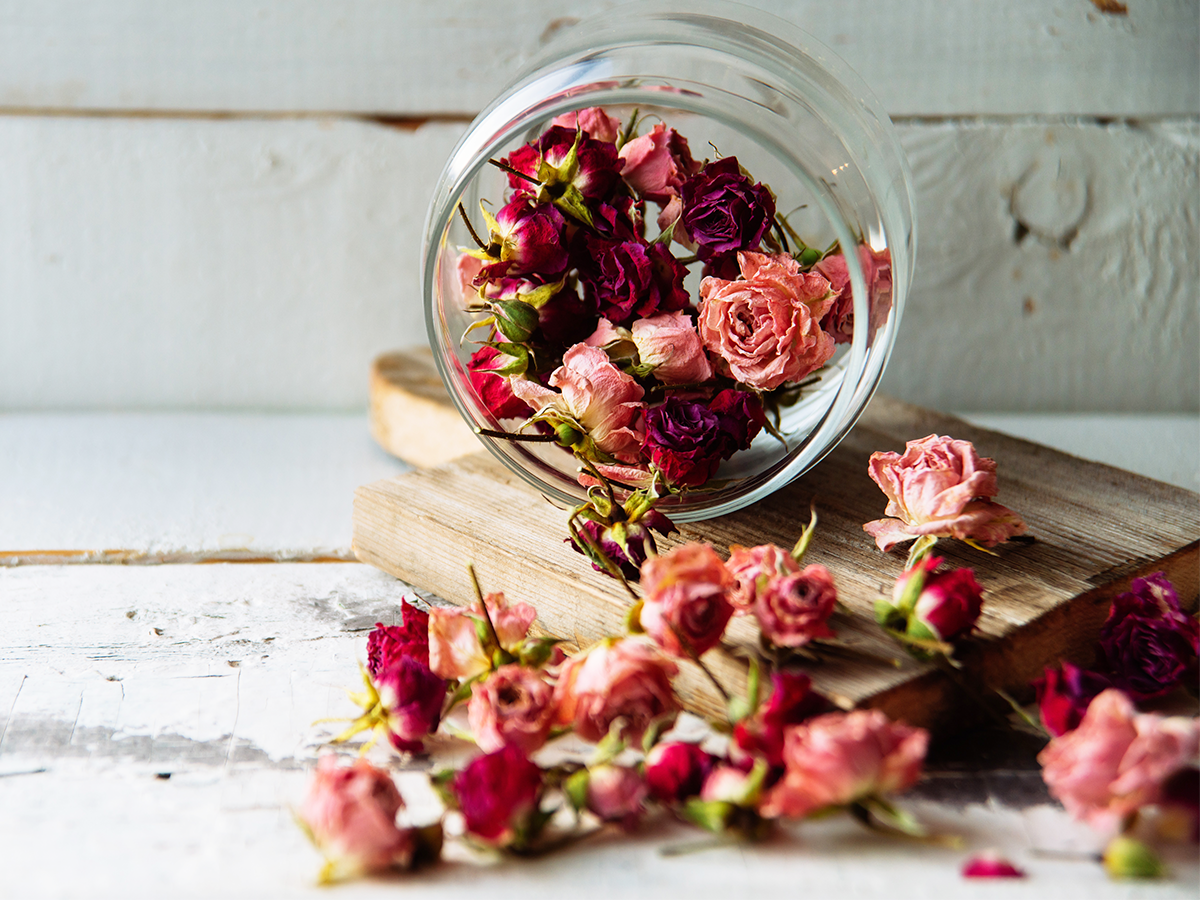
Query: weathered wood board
[(1096, 528)]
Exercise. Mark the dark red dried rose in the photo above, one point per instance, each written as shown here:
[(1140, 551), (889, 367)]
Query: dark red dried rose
[(413, 697), (724, 211), (676, 770), (494, 393), (498, 794), (688, 439), (630, 279), (1064, 695), (1148, 644), (386, 643)]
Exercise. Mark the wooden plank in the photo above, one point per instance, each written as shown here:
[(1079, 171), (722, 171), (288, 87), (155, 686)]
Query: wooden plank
[(128, 247), (413, 58), (1096, 529)]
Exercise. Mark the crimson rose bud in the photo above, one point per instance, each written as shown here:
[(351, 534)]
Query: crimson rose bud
[(676, 771), (498, 795), (946, 604), (1148, 645), (1064, 694), (387, 643), (792, 701), (413, 697)]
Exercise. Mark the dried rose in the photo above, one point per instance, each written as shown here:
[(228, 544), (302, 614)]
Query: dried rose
[(990, 865), (597, 395), (794, 609), (410, 638), (877, 270), (1064, 694), (841, 758), (413, 696), (455, 650), (593, 173), (628, 279), (750, 564), (685, 605), (942, 488), (494, 393), (766, 326), (688, 439), (1117, 760), (1148, 643), (656, 164), (627, 543), (676, 770), (350, 813), (593, 121), (723, 210), (616, 679), (513, 705), (498, 794), (792, 701), (617, 794), (936, 606), (670, 345), (524, 238)]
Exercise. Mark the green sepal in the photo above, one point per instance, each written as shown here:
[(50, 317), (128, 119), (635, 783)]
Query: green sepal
[(516, 319), (805, 537), (887, 615), (576, 788), (568, 434), (573, 203), (519, 364), (440, 781), (536, 652), (1126, 857), (712, 815), (740, 708), (920, 630), (809, 257), (633, 618), (483, 633), (654, 732), (610, 746)]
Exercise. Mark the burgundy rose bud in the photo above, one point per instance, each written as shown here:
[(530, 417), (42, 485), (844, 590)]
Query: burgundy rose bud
[(792, 701), (494, 393), (688, 439), (413, 697), (628, 544), (524, 238), (676, 771), (596, 168), (498, 794), (948, 605), (990, 865), (1148, 644), (617, 794), (386, 643), (631, 278), (1063, 696), (723, 210)]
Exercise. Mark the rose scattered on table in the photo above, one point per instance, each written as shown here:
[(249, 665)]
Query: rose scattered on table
[(791, 753)]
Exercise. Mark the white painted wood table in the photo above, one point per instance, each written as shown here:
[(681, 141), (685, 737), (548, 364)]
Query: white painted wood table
[(156, 720)]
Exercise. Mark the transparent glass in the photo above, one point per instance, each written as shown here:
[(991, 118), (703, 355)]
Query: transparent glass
[(751, 85)]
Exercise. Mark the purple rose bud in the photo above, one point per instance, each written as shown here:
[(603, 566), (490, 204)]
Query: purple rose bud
[(688, 439), (413, 697), (1148, 644), (498, 794), (676, 771), (639, 541), (1064, 695), (724, 211)]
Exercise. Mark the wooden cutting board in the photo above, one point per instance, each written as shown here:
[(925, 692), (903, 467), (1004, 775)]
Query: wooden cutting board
[(1096, 529)]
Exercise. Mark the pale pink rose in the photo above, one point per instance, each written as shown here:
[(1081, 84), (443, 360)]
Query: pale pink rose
[(794, 609), (468, 267), (513, 705), (616, 679), (877, 270), (350, 811), (840, 758), (766, 325), (750, 564), (685, 606), (593, 122), (633, 476), (1117, 760), (454, 647), (596, 394), (671, 214), (617, 794), (607, 334), (939, 487), (657, 164), (671, 344), (728, 784)]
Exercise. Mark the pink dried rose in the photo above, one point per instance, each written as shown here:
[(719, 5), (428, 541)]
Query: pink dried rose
[(765, 327), (350, 813), (468, 267), (1064, 695), (942, 488), (841, 758), (990, 865), (1117, 760), (656, 164), (670, 344), (498, 794), (794, 609), (617, 794), (597, 395), (593, 121), (513, 705), (455, 650), (616, 679), (750, 564), (685, 605), (877, 270), (676, 770)]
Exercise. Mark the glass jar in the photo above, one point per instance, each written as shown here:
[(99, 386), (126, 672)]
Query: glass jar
[(733, 81)]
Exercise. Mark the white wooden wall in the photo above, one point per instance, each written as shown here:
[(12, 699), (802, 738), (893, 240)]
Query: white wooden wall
[(219, 204)]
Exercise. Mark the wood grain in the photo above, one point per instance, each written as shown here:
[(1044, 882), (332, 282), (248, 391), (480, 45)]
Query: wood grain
[(1095, 527)]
